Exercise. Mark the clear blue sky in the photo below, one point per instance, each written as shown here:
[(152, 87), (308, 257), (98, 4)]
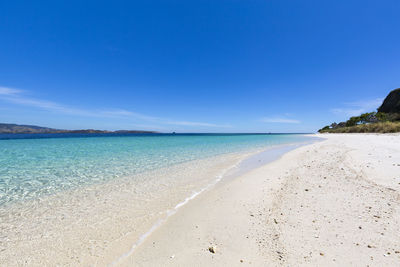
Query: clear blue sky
[(196, 66)]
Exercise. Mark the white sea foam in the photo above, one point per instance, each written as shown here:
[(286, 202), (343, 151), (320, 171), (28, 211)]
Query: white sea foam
[(251, 161), (169, 213)]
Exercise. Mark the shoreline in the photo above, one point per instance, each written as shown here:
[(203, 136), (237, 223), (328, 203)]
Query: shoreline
[(97, 224), (93, 225), (244, 165), (280, 213)]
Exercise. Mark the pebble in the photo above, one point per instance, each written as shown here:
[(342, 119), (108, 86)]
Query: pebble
[(212, 249)]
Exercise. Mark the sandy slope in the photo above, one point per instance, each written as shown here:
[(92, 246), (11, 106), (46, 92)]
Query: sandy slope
[(332, 203)]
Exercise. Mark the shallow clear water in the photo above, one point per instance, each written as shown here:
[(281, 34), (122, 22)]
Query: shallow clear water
[(34, 167)]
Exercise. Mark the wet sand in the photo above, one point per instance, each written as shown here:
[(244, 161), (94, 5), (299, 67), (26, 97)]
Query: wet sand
[(331, 203)]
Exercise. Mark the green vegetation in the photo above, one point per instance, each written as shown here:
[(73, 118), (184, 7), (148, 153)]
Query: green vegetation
[(379, 127), (362, 119), (372, 122)]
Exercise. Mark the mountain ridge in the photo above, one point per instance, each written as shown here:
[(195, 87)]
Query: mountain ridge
[(11, 128)]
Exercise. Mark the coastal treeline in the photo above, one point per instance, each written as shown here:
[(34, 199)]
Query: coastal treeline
[(385, 120)]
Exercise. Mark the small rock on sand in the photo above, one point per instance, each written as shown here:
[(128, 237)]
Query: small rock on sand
[(212, 249)]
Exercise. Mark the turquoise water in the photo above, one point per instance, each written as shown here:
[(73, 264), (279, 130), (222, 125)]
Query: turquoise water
[(31, 168)]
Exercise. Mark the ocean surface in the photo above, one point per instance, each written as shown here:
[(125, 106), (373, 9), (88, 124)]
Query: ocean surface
[(72, 199), (35, 165)]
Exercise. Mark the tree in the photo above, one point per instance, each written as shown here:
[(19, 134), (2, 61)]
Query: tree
[(353, 121), (324, 129)]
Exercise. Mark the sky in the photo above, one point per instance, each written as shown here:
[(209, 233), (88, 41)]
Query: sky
[(196, 66)]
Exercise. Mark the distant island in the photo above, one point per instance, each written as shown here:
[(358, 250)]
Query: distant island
[(6, 128), (385, 120)]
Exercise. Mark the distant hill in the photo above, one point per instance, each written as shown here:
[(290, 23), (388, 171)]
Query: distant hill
[(391, 104), (6, 128), (386, 120)]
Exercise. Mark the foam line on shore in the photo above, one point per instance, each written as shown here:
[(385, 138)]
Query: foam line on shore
[(169, 213), (278, 151)]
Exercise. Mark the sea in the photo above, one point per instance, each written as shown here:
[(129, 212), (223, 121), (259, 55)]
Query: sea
[(78, 197)]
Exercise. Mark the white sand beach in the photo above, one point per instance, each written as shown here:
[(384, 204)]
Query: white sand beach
[(199, 133), (331, 203)]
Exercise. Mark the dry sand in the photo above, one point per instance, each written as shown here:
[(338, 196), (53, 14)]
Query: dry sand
[(332, 203)]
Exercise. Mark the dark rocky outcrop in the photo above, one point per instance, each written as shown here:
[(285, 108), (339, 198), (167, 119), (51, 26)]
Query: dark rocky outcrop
[(391, 104)]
